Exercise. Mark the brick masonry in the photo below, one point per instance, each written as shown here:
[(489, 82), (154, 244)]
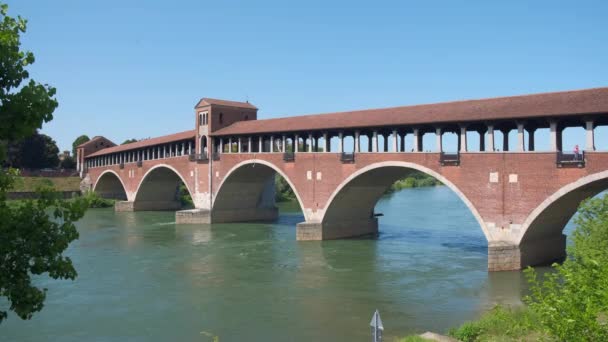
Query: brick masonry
[(502, 189)]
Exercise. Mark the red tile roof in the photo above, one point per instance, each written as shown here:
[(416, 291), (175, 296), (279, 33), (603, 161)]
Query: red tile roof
[(191, 134), (588, 101), (208, 101)]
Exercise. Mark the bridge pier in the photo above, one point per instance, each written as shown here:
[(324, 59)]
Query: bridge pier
[(193, 216), (314, 231), (505, 256)]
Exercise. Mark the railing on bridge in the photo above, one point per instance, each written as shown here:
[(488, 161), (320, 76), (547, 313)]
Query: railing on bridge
[(570, 159), (198, 157), (347, 157), (449, 158), (289, 156)]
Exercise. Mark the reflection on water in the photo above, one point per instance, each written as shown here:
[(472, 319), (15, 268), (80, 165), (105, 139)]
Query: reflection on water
[(142, 278)]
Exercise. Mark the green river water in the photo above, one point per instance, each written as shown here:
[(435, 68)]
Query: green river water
[(144, 278)]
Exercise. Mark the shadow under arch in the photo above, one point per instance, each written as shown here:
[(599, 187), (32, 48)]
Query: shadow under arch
[(247, 193), (109, 185), (352, 203), (546, 223), (159, 189)]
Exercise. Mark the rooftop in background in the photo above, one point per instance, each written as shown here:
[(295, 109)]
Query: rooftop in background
[(205, 101), (147, 142), (587, 101)]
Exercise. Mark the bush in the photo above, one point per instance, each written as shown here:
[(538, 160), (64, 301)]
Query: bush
[(95, 201), (572, 301), (506, 323)]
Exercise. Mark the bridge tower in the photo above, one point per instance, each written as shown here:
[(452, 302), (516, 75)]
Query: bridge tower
[(213, 114)]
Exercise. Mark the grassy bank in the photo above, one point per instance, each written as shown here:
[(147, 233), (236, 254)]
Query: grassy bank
[(498, 324), (28, 184)]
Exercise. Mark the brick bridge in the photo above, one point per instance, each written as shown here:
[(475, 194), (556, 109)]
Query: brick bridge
[(340, 164)]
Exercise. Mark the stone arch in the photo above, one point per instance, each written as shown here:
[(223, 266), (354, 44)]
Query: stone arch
[(365, 187), (158, 189), (110, 185), (246, 193), (551, 216)]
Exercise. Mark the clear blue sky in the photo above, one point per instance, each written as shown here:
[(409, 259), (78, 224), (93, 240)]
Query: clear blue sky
[(135, 69)]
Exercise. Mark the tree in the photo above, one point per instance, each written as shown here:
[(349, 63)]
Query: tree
[(128, 141), (35, 152), (572, 301), (68, 163), (35, 233), (79, 141)]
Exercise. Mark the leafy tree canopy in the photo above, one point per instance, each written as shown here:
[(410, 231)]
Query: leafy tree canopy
[(572, 301), (128, 141), (33, 234), (79, 141)]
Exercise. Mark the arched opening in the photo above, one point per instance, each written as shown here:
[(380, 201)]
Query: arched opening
[(250, 192), (162, 188), (110, 186), (203, 144), (351, 212), (543, 240)]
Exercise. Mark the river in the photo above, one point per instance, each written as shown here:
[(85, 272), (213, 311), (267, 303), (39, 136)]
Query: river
[(144, 278)]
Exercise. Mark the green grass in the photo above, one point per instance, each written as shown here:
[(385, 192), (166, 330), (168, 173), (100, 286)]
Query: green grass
[(413, 338), (497, 325), (28, 184)]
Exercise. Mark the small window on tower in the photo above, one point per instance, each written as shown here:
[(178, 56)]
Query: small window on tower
[(221, 118), (200, 119)]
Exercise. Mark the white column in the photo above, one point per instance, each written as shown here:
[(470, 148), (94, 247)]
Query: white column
[(439, 138), (416, 140), (221, 145), (189, 147), (249, 142), (271, 144), (357, 142), (520, 137), (310, 145), (239, 145), (590, 146), (340, 142), (375, 141), (463, 139), (296, 142), (183, 148), (283, 143), (395, 141), (230, 145), (260, 144), (553, 135), (326, 142), (491, 138)]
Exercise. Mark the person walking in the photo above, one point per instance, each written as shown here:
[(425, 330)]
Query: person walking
[(576, 152)]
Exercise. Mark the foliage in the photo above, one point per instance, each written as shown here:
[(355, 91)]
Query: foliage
[(33, 236), (35, 152), (128, 141), (23, 107), (33, 233), (95, 201), (500, 323), (79, 141), (283, 192), (572, 301), (184, 197), (414, 180), (68, 163)]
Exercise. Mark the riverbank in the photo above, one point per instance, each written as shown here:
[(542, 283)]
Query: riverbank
[(499, 324), (31, 184)]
